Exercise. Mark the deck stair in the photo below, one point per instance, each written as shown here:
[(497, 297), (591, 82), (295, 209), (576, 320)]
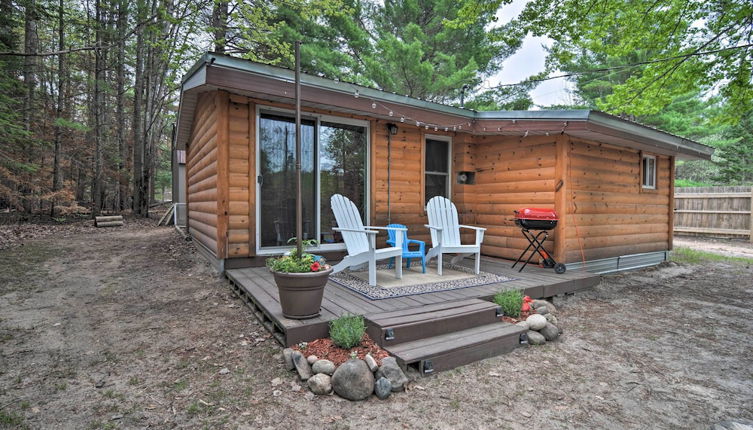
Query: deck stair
[(440, 337)]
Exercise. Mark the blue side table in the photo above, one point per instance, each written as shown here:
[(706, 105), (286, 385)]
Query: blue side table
[(407, 253)]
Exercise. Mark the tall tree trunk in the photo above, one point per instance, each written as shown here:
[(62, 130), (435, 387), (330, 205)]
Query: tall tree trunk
[(31, 46), (120, 105), (219, 25), (57, 174), (138, 139), (98, 101)]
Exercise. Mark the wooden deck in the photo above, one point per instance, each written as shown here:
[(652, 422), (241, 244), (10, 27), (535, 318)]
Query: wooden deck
[(256, 287)]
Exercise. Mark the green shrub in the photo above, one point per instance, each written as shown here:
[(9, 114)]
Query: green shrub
[(510, 302), (347, 330)]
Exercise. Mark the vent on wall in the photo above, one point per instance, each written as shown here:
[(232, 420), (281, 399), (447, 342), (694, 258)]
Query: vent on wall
[(466, 178)]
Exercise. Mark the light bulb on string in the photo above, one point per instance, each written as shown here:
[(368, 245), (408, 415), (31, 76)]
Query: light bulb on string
[(390, 113), (356, 95), (373, 105), (402, 119)]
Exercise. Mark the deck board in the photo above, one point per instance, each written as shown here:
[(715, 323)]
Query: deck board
[(258, 284)]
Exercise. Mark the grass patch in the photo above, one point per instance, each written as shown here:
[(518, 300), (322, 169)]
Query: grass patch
[(510, 302), (347, 330), (693, 256), (11, 420)]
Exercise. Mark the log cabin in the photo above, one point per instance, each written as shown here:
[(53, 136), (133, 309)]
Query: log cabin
[(609, 179)]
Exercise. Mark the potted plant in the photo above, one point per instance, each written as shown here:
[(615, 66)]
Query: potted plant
[(300, 279)]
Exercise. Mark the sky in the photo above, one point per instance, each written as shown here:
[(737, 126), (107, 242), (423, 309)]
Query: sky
[(527, 61)]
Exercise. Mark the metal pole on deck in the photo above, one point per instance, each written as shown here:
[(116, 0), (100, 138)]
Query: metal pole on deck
[(298, 184)]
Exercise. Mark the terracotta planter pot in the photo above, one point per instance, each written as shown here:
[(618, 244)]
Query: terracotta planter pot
[(301, 293)]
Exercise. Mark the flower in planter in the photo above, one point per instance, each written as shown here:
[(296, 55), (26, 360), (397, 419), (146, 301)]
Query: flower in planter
[(291, 262)]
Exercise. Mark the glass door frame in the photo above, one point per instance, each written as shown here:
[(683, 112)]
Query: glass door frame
[(318, 118)]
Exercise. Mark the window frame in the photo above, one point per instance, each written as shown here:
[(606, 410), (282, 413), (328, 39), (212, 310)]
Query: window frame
[(644, 164), (318, 118), (441, 138)]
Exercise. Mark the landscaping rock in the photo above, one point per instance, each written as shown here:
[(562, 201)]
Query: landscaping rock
[(324, 366), (523, 324), (312, 359), (542, 310), (550, 331), (551, 318), (287, 355), (536, 322), (320, 384), (302, 366), (224, 371), (353, 380), (549, 306), (383, 388), (535, 338), (373, 366), (392, 371)]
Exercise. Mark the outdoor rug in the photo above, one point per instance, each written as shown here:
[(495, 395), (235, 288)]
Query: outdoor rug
[(414, 282)]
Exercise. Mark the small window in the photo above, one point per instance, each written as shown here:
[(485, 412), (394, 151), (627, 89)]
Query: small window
[(648, 172), (436, 169)]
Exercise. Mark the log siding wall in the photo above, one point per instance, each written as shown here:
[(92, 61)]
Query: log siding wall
[(511, 173), (608, 212), (201, 171), (595, 187)]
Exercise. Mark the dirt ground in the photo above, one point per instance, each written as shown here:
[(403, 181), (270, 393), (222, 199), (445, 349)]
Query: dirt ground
[(728, 247), (129, 328)]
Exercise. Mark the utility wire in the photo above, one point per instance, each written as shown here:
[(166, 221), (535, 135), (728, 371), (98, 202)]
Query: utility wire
[(622, 67)]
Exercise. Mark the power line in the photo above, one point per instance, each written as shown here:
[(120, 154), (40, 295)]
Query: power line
[(622, 67)]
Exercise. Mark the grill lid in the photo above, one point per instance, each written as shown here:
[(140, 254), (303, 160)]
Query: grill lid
[(536, 214)]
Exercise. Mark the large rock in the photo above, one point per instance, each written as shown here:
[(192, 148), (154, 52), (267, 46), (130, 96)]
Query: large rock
[(353, 380), (523, 324), (324, 366), (312, 359), (320, 384), (302, 366), (392, 371), (383, 388), (535, 338), (549, 306), (287, 355), (542, 310), (536, 322), (550, 331), (551, 318)]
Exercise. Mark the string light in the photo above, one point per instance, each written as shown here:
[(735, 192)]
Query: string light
[(402, 119), (418, 123), (427, 126), (356, 95), (435, 128), (445, 129), (373, 105), (390, 113)]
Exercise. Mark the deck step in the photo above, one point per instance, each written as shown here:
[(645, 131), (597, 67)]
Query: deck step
[(447, 351), (407, 325)]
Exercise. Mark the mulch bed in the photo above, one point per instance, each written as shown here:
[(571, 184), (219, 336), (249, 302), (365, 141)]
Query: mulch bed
[(326, 349)]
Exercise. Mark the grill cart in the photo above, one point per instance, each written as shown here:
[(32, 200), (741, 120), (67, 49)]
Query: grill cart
[(535, 224)]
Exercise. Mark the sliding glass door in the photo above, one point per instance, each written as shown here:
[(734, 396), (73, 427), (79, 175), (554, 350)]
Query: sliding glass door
[(334, 154), (277, 181)]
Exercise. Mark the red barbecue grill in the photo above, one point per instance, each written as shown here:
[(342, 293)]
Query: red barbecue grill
[(541, 220)]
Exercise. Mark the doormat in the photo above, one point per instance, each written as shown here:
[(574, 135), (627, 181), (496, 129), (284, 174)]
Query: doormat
[(454, 277)]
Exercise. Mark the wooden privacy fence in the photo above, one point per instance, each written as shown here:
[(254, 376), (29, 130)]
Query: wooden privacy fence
[(718, 211)]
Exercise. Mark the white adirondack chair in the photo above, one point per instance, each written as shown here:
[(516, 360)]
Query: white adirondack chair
[(445, 233), (360, 240)]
